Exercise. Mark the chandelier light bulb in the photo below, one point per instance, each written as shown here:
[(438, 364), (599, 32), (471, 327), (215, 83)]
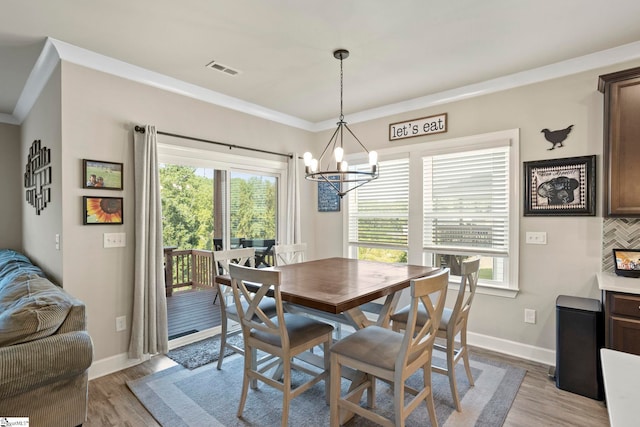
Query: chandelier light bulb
[(339, 153), (314, 165), (344, 166), (307, 158), (373, 158)]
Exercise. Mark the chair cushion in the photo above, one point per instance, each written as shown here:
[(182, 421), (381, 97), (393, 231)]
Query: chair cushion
[(268, 305), (373, 345), (402, 316), (299, 328)]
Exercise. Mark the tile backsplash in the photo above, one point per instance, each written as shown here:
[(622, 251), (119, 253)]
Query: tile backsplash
[(618, 233)]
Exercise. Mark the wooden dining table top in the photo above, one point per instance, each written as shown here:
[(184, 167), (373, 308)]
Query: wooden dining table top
[(335, 285)]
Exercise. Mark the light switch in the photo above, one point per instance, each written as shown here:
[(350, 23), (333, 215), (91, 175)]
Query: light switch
[(114, 240)]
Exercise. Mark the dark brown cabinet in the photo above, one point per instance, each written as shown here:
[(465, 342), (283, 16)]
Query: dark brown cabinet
[(622, 319), (621, 142)]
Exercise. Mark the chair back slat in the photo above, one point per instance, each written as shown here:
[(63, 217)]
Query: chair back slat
[(222, 259), (430, 293), (289, 254), (462, 306), (253, 285)]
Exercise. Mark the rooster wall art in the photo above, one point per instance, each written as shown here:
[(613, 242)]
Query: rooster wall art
[(556, 137)]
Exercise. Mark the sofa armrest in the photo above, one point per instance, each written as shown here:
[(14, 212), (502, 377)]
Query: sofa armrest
[(43, 361)]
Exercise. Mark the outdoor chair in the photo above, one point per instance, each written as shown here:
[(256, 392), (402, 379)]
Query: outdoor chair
[(454, 323), (284, 336), (391, 356)]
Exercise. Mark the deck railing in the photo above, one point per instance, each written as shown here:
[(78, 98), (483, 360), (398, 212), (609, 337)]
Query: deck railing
[(193, 268), (188, 268)]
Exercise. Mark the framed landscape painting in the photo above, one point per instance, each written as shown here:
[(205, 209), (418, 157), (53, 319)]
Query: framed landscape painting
[(102, 175)]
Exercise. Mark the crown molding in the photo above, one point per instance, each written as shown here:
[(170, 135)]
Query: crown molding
[(56, 50)]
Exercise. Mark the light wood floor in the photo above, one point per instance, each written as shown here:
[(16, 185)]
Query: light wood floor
[(538, 402)]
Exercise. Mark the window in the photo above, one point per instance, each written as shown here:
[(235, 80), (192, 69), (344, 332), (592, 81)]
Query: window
[(214, 200), (466, 210), (379, 214), (462, 195)]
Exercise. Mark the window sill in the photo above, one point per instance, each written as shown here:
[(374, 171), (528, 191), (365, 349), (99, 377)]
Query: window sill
[(490, 290)]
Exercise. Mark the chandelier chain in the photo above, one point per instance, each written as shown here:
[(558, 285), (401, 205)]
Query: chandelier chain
[(341, 114)]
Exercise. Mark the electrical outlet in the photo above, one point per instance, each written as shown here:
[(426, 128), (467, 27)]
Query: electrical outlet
[(536, 237), (121, 323), (529, 315)]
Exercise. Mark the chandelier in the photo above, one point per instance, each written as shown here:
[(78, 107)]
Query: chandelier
[(336, 172)]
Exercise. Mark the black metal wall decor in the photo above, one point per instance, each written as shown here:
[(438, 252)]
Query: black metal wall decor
[(556, 137), (37, 176)]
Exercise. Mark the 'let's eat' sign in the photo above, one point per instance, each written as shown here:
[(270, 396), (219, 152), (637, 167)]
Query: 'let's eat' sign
[(418, 127)]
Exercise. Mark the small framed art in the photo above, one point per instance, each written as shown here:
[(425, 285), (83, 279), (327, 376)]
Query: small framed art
[(328, 198), (102, 210), (560, 187), (101, 175)]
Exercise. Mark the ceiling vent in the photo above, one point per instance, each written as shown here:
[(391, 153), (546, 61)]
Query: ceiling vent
[(214, 65)]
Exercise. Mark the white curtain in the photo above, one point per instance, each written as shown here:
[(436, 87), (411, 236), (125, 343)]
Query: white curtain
[(149, 333), (292, 231)]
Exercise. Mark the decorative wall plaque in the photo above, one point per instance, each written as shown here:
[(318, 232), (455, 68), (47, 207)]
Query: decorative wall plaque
[(37, 176)]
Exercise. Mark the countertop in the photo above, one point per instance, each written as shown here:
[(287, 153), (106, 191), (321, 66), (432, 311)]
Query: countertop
[(612, 282), (621, 375)]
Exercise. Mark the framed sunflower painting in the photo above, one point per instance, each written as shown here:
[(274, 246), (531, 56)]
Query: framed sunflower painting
[(102, 210)]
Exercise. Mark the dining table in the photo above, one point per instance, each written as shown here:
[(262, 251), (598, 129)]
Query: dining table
[(340, 288)]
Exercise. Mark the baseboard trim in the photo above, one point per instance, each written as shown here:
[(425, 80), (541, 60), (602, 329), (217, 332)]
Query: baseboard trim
[(109, 365), (545, 356), (513, 348)]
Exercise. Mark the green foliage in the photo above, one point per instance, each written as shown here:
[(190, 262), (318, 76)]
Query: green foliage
[(383, 255), (187, 208), (253, 208)]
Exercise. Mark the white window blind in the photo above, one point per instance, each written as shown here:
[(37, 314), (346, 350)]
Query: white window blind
[(466, 202), (379, 210)]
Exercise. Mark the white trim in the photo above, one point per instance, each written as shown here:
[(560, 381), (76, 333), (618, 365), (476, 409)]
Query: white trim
[(86, 58), (38, 78), (109, 365), (513, 348), (9, 119)]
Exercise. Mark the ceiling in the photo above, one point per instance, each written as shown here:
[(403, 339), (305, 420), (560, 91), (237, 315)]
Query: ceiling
[(400, 50)]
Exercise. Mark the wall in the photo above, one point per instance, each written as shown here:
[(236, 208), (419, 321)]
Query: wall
[(11, 188), (99, 112), (567, 265), (38, 231)]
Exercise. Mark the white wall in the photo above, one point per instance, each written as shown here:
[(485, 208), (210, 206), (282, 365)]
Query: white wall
[(38, 231), (11, 188)]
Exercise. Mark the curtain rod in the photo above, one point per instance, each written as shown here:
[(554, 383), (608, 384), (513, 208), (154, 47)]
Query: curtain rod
[(140, 129)]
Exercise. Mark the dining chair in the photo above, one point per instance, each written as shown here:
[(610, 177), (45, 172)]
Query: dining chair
[(289, 253), (391, 356), (228, 311), (454, 322), (284, 336)]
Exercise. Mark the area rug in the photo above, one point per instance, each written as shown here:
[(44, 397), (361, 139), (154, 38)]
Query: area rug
[(209, 397), (202, 352)]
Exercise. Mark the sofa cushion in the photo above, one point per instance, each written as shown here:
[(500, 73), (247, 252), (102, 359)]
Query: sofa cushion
[(13, 265), (31, 307)]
